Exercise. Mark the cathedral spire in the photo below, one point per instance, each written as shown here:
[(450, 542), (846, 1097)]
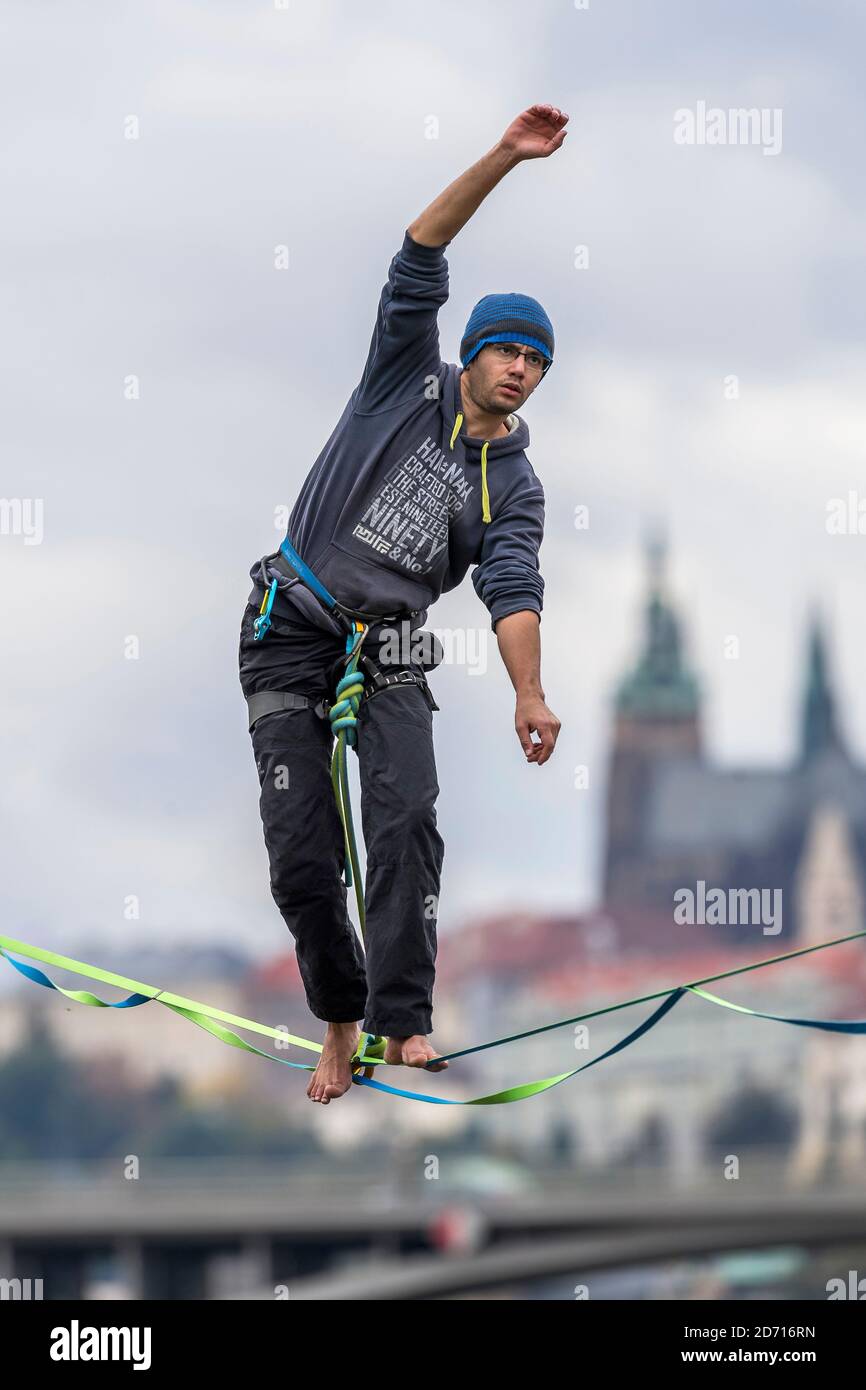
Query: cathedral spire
[(659, 686), (819, 729)]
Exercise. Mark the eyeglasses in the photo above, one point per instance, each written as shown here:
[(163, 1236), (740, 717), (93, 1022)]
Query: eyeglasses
[(534, 360)]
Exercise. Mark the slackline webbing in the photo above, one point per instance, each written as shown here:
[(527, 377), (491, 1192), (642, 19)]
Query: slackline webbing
[(369, 1054)]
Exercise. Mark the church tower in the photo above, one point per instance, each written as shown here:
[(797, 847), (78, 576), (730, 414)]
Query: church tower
[(819, 725), (656, 716)]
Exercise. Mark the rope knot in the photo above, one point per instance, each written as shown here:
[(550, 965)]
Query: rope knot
[(343, 714)]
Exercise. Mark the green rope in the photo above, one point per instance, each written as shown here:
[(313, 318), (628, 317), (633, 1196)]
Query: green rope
[(343, 715)]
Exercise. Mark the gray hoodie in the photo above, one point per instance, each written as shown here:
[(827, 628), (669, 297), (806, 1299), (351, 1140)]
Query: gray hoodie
[(401, 501)]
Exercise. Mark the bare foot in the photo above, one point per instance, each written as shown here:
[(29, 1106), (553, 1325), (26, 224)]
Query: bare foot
[(333, 1074), (412, 1052)]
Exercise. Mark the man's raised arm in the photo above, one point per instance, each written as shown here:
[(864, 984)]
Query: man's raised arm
[(404, 348), (535, 134)]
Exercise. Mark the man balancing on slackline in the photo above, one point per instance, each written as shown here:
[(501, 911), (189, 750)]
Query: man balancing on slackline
[(424, 475)]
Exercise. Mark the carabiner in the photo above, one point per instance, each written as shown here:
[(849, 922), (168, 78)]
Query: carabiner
[(263, 621)]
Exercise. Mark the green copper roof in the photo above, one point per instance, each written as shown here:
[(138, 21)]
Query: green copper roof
[(660, 686)]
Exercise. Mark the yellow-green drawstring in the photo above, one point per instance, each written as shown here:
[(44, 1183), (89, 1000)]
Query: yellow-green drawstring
[(485, 495)]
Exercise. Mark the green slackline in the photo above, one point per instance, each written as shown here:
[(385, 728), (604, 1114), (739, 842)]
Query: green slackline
[(369, 1053), (647, 998)]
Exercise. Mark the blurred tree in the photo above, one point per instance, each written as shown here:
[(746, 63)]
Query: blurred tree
[(54, 1108), (752, 1116), (46, 1109)]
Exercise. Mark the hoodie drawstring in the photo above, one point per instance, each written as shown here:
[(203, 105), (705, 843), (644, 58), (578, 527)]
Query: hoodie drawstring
[(485, 495)]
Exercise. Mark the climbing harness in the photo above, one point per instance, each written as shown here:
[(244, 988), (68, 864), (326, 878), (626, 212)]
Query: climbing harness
[(370, 1050), (274, 579), (350, 691)]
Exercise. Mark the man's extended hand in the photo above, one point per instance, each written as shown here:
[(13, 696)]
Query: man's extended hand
[(533, 716), (536, 133)]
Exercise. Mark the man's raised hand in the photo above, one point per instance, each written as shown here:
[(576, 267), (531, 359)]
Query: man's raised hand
[(536, 133)]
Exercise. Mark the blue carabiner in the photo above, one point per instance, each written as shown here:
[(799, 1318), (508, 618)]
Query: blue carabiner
[(263, 621)]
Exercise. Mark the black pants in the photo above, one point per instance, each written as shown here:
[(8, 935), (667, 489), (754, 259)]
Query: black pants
[(393, 990)]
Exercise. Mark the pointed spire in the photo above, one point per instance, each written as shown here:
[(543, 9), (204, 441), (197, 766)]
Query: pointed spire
[(820, 730), (659, 686)]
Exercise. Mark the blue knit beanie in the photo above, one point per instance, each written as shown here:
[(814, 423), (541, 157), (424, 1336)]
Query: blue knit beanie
[(507, 318)]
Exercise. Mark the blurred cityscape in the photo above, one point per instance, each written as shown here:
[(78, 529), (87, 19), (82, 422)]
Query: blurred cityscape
[(141, 1158)]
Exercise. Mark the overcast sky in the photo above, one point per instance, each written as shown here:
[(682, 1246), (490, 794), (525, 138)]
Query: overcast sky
[(153, 257)]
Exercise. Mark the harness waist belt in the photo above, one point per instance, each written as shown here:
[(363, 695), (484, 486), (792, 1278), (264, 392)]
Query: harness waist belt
[(287, 562), (264, 702)]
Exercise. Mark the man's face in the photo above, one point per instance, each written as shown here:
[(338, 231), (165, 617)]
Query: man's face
[(500, 380)]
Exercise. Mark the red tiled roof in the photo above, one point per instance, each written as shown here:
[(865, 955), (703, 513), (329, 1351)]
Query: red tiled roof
[(618, 952), (279, 975), (614, 953)]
